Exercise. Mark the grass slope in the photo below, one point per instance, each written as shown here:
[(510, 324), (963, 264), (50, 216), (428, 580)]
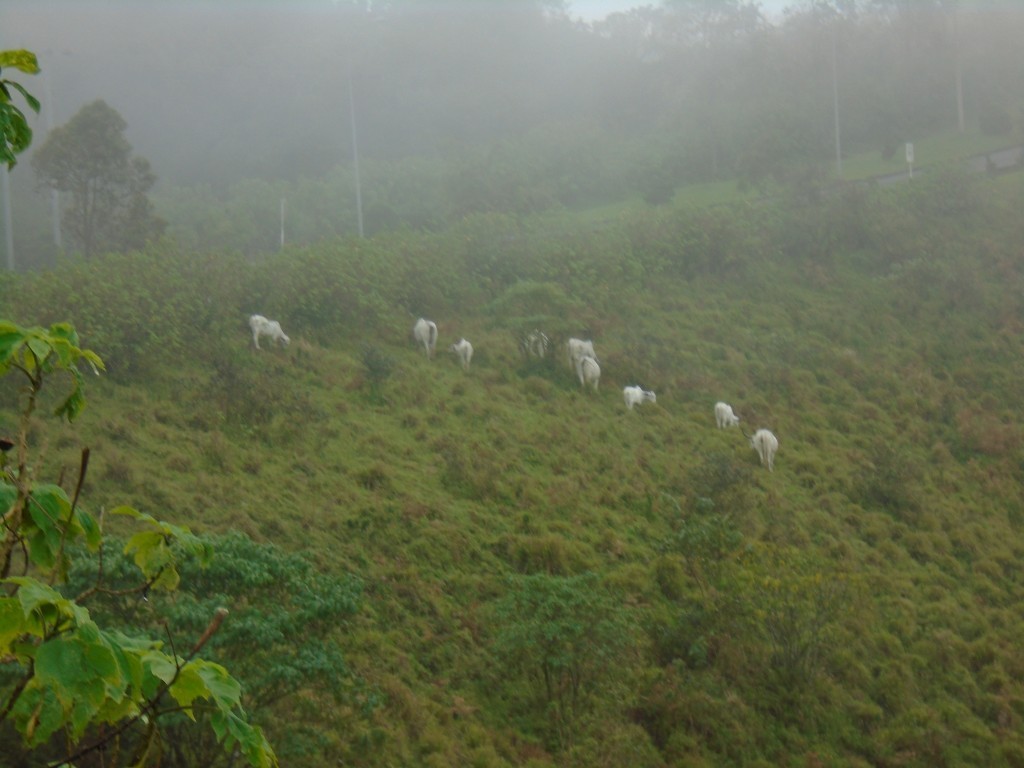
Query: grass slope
[(858, 606)]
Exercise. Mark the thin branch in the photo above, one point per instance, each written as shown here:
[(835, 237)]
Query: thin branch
[(142, 588), (83, 468)]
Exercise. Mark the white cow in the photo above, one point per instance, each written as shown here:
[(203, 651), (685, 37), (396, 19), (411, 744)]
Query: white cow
[(724, 416), (578, 349), (766, 444), (636, 395), (464, 351), (425, 333), (589, 372), (261, 326)]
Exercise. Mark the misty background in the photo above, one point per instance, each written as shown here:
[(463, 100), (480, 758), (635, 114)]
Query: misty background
[(463, 107)]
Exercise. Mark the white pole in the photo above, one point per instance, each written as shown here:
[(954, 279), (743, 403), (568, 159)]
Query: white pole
[(835, 101), (8, 225), (54, 193), (355, 152), (282, 222), (959, 75)]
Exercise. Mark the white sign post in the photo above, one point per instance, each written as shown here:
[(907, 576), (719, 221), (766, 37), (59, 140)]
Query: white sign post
[(910, 158)]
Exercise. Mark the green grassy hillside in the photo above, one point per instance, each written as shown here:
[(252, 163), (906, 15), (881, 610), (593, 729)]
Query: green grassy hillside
[(553, 580)]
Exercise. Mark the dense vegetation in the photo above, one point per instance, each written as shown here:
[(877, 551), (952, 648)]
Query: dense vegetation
[(548, 579)]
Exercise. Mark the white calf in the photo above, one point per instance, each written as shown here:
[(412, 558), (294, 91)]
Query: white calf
[(578, 349), (724, 416), (589, 372), (262, 327), (464, 351), (425, 333), (766, 444), (636, 395)]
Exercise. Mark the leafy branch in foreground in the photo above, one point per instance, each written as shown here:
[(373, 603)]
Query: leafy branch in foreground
[(15, 134), (71, 688), (283, 643)]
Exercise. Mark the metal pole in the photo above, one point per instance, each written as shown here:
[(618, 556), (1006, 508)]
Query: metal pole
[(54, 193), (282, 222), (355, 151), (835, 101), (8, 225), (959, 77)]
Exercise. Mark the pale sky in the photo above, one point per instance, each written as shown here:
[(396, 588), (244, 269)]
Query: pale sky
[(591, 10)]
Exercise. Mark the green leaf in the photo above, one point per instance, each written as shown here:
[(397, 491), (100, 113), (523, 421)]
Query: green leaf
[(33, 102), (10, 336), (91, 529), (127, 511), (189, 686), (231, 729), (12, 623), (20, 59), (78, 668), (38, 713), (40, 348), (150, 552), (224, 689), (74, 404), (48, 506), (45, 606), (160, 665)]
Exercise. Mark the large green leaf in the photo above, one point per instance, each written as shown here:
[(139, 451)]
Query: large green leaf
[(231, 730), (45, 606), (91, 529), (79, 668), (48, 508), (12, 623), (200, 679), (10, 336), (20, 59), (38, 713)]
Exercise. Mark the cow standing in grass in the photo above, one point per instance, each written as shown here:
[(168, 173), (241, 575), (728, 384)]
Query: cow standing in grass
[(425, 333)]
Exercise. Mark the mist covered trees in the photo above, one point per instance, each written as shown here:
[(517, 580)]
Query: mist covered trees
[(90, 159), (519, 108)]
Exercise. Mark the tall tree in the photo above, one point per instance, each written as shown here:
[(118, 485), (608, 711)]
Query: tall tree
[(90, 158)]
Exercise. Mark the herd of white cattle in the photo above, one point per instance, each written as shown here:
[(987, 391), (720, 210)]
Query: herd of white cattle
[(536, 344)]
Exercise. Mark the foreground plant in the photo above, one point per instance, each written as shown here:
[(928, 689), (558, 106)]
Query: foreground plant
[(75, 691), (15, 133)]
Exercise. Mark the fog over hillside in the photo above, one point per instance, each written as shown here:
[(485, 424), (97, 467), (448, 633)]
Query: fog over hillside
[(462, 106), (218, 91)]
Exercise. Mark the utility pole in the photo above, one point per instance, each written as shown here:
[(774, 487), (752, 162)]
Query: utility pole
[(355, 150), (54, 193), (835, 100), (959, 75), (5, 187)]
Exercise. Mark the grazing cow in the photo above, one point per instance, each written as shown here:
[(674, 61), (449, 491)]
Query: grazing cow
[(589, 372), (636, 395), (464, 351), (261, 326), (766, 444), (578, 349), (425, 333), (534, 344), (724, 416)]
